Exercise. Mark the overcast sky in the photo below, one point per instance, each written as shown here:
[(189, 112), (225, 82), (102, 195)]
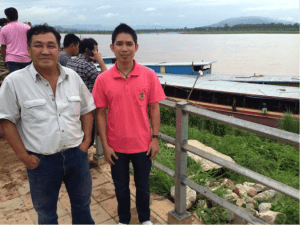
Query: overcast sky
[(169, 13)]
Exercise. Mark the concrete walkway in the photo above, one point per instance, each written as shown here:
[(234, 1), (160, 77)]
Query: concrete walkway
[(16, 205)]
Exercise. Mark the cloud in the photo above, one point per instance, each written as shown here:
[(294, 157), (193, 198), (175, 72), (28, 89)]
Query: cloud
[(273, 8), (42, 13), (108, 15), (150, 9), (104, 7), (80, 17)]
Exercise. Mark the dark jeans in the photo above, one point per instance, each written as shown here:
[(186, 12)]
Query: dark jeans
[(13, 66), (120, 175), (71, 167)]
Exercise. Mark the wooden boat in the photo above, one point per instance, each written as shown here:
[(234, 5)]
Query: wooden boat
[(193, 82)]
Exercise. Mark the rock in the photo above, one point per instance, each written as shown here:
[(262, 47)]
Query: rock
[(206, 164), (264, 207), (269, 216), (249, 206), (240, 190), (265, 195), (257, 187), (250, 200), (231, 195), (201, 203), (216, 184), (239, 202), (190, 196), (227, 183), (252, 192), (239, 220)]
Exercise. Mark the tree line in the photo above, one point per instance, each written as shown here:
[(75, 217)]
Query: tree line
[(240, 28)]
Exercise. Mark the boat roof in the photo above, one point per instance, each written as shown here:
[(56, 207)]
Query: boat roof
[(178, 63), (109, 65), (253, 78), (254, 90), (109, 57)]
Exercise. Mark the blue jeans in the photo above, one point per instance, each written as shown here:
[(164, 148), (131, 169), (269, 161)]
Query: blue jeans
[(120, 175), (13, 66), (71, 167)]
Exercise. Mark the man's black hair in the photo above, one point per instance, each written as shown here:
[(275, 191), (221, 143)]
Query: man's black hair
[(123, 28), (11, 13), (87, 43), (71, 39), (3, 21), (42, 29)]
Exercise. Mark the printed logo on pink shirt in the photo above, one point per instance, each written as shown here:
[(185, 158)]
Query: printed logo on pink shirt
[(142, 95)]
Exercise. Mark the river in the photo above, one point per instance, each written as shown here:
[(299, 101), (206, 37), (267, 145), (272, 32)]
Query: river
[(235, 54)]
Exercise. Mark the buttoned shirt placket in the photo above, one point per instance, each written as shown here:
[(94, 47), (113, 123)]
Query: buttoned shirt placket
[(55, 99)]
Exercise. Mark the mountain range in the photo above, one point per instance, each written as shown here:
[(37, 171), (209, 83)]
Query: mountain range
[(229, 22), (248, 20)]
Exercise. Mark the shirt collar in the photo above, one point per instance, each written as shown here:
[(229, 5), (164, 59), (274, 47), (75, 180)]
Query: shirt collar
[(36, 76), (135, 71)]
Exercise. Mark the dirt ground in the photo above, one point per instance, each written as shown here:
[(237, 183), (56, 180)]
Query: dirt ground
[(12, 171)]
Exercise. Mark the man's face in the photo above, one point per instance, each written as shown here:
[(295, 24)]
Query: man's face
[(44, 51), (75, 49), (124, 48)]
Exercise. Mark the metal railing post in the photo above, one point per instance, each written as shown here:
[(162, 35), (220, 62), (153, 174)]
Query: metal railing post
[(99, 151), (180, 212)]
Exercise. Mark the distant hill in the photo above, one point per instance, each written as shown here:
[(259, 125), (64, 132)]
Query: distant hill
[(248, 20), (231, 22)]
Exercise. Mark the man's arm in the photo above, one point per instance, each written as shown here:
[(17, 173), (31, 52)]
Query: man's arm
[(101, 127), (12, 136), (87, 126), (98, 57), (155, 123), (3, 52)]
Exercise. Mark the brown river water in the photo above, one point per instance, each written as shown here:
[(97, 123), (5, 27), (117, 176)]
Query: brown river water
[(235, 54)]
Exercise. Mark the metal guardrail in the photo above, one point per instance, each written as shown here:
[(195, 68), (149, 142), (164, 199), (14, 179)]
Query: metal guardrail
[(181, 147)]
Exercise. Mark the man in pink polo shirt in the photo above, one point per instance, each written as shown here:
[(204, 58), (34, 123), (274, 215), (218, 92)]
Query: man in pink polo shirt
[(14, 42), (126, 90)]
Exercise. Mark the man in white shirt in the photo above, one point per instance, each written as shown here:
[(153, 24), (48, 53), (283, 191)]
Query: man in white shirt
[(46, 116)]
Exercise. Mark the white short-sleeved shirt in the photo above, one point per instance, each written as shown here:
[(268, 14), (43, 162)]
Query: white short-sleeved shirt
[(46, 123)]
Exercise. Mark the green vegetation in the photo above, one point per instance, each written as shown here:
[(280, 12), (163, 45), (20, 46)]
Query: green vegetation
[(248, 28), (237, 29), (265, 156), (289, 123)]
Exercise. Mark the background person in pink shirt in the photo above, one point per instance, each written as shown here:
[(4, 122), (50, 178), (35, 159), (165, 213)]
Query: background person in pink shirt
[(14, 42), (126, 90)]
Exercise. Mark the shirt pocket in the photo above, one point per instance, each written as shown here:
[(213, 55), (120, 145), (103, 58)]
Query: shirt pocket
[(141, 95), (74, 105), (35, 110)]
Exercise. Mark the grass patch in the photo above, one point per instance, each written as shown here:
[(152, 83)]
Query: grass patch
[(273, 159), (289, 123)]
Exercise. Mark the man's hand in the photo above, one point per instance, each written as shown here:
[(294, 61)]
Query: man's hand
[(84, 146), (5, 65), (153, 148), (30, 161), (97, 56), (109, 153)]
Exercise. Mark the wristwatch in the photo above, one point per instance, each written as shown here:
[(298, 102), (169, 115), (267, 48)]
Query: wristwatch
[(156, 136)]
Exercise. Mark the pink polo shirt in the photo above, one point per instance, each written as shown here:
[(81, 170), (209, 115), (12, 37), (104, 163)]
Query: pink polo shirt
[(13, 35), (128, 128)]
